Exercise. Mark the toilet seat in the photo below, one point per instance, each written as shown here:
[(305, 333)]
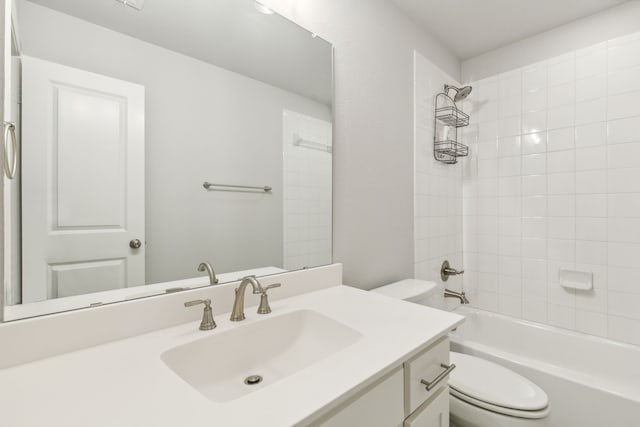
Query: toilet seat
[(490, 386)]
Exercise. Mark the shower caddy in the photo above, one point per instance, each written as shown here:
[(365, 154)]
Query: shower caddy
[(448, 149)]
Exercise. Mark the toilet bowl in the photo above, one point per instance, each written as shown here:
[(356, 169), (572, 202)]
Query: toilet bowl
[(482, 393)]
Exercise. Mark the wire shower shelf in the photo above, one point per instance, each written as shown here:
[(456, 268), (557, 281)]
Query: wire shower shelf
[(447, 114)]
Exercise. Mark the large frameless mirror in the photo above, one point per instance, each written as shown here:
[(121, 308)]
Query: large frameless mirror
[(155, 135)]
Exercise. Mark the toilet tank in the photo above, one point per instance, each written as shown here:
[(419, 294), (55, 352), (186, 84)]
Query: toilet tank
[(414, 290)]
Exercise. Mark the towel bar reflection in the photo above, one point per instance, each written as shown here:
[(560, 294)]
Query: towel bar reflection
[(299, 142), (228, 187)]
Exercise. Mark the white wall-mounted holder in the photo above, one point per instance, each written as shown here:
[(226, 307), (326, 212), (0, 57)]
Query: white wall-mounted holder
[(574, 279)]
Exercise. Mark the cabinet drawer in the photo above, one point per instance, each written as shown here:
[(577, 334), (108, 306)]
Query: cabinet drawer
[(430, 366), (433, 413)]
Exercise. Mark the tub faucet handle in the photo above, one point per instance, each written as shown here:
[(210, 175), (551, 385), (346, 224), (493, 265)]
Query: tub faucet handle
[(447, 271)]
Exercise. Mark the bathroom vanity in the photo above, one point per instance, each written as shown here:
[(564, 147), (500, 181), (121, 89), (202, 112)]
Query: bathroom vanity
[(331, 355)]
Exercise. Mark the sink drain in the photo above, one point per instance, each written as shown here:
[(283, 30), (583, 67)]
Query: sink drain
[(253, 380)]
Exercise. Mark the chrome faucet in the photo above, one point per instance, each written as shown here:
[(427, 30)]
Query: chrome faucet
[(213, 280), (448, 293), (237, 313)]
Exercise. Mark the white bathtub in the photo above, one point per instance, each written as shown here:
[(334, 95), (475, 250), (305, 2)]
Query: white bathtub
[(590, 381)]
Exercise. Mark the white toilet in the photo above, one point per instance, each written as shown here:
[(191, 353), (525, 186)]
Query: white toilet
[(482, 393)]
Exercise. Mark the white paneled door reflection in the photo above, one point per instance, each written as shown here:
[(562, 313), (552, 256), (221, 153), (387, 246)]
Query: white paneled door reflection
[(83, 182)]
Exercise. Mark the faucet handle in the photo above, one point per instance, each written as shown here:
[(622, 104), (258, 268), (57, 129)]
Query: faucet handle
[(207, 322), (264, 307)]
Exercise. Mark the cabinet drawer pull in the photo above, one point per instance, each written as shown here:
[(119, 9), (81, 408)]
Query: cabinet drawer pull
[(431, 384)]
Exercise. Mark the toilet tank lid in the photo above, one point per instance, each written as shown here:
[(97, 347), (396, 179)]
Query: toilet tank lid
[(408, 290)]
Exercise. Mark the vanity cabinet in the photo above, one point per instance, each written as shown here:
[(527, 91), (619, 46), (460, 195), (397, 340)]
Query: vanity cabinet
[(399, 399)]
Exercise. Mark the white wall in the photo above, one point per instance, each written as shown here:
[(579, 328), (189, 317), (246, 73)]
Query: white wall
[(610, 23), (373, 191), (554, 182), (203, 123), (438, 186)]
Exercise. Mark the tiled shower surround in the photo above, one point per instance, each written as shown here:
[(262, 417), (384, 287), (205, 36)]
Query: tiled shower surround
[(553, 181)]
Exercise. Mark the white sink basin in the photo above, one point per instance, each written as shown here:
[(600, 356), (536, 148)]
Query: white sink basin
[(273, 348)]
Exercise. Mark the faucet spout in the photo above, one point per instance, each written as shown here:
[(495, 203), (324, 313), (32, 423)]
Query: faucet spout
[(448, 293), (237, 313), (205, 266)]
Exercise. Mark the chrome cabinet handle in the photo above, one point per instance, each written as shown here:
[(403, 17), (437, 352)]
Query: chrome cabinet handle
[(429, 385), (135, 244), (10, 169)]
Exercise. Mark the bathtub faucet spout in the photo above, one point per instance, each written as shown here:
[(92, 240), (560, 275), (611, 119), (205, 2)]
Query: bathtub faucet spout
[(453, 294)]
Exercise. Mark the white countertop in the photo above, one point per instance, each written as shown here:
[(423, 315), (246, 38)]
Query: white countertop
[(125, 383)]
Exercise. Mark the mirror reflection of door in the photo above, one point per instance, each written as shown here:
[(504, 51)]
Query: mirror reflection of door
[(83, 198)]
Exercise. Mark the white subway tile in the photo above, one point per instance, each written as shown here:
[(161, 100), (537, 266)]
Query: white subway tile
[(561, 316), (510, 266), (624, 205), (624, 304), (510, 84), (534, 248), (591, 158), (510, 126), (562, 250), (487, 168), (589, 182), (509, 186), (534, 77), (624, 329), (624, 81), (591, 205), (561, 228), (591, 229), (561, 139), (591, 135), (488, 131), (561, 206), (561, 161), (561, 72), (624, 279), (624, 130), (624, 155), (624, 56), (624, 105), (509, 166), (510, 206), (591, 111), (509, 146), (561, 183), (488, 282), (487, 301), (592, 323), (511, 246), (534, 101), (534, 228), (509, 106), (624, 181), (488, 187), (624, 254), (534, 309), (592, 62), (534, 164), (561, 117), (534, 185), (510, 227), (534, 206), (561, 95), (535, 270), (624, 230), (591, 252), (534, 143), (591, 88), (534, 122), (510, 305)]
